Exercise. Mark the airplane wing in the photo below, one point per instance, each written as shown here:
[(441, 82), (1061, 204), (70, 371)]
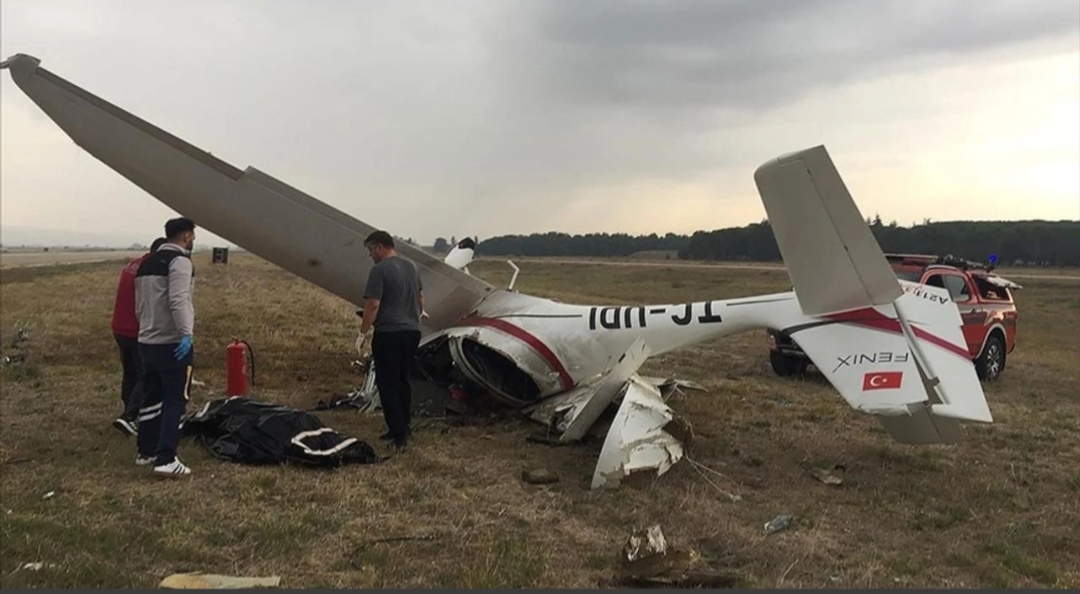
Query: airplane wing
[(257, 212)]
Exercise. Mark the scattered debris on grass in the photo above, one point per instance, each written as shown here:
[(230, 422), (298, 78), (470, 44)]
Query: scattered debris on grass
[(209, 581), (14, 461), (781, 522), (18, 346), (36, 566), (699, 466), (398, 539), (648, 561), (826, 476), (645, 543), (538, 476)]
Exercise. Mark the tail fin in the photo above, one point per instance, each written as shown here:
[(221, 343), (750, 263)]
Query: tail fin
[(834, 262), (894, 351)]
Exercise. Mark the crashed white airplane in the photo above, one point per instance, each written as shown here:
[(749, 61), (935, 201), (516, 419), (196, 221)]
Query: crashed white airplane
[(565, 364)]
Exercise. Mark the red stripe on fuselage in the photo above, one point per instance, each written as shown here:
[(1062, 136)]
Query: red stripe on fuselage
[(522, 335), (875, 319)]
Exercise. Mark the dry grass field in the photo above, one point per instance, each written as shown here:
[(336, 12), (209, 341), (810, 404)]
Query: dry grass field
[(998, 510), (16, 258)]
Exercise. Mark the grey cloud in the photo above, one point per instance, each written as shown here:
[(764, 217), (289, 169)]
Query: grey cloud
[(648, 88), (756, 54), (486, 106)]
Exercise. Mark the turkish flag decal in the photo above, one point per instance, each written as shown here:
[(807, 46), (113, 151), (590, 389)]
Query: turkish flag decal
[(882, 380)]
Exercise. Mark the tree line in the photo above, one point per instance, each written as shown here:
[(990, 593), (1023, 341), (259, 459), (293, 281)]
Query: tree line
[(1031, 243)]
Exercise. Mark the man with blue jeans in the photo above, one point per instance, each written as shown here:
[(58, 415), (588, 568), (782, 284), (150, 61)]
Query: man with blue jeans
[(163, 288)]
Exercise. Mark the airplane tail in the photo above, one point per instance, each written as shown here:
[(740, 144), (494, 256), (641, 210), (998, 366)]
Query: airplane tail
[(890, 350)]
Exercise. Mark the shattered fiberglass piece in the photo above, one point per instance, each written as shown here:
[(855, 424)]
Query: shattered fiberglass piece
[(585, 413), (645, 543), (637, 439)]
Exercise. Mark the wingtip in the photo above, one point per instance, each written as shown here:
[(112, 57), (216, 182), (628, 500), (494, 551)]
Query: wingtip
[(787, 158), (20, 62), (963, 413)]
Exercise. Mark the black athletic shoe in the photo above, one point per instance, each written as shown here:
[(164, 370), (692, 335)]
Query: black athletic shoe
[(125, 426)]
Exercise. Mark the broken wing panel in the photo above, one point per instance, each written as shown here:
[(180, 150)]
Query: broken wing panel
[(575, 411), (584, 414), (292, 230), (637, 439)]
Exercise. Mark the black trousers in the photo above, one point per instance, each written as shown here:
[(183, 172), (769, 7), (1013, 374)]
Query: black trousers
[(131, 393), (392, 352), (166, 382)]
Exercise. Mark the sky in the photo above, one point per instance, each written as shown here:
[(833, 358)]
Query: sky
[(491, 117)]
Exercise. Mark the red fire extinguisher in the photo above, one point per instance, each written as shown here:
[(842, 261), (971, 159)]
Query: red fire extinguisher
[(236, 371)]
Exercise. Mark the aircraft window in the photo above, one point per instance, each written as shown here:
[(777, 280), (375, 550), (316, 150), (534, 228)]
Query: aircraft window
[(958, 288)]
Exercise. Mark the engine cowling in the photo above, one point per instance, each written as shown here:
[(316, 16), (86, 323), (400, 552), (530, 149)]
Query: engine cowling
[(503, 365)]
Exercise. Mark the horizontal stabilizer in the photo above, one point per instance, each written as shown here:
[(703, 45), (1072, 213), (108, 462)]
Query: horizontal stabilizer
[(919, 385), (834, 262)]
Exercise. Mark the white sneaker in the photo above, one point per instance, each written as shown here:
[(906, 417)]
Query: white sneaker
[(175, 468), (143, 460)]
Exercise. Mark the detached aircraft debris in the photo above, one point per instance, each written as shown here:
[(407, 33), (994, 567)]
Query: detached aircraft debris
[(564, 364)]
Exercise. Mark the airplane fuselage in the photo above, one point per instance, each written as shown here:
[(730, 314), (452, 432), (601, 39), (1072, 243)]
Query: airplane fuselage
[(558, 346)]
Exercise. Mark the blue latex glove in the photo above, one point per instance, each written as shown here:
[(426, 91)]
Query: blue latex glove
[(184, 348)]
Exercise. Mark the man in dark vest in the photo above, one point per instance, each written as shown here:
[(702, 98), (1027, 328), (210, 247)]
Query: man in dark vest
[(163, 301), (125, 328)]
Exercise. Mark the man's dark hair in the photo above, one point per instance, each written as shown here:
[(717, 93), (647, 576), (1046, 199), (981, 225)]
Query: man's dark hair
[(174, 227), (157, 243), (380, 238)]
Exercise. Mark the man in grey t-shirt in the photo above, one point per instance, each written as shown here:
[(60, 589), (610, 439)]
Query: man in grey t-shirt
[(393, 305)]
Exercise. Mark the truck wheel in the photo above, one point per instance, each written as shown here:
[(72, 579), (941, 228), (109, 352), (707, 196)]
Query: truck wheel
[(785, 365), (991, 361)]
